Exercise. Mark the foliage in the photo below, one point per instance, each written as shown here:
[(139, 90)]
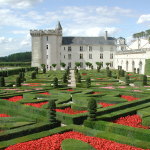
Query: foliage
[(65, 78), (78, 64), (18, 81), (92, 109), (44, 70), (33, 75), (36, 70), (78, 78), (63, 64), (2, 81), (127, 80), (55, 82), (17, 57), (144, 81), (54, 65), (88, 82), (52, 112), (134, 70), (109, 73)]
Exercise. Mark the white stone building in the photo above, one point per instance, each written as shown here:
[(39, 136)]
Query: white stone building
[(133, 56), (50, 47)]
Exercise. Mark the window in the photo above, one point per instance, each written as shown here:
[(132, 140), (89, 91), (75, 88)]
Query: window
[(101, 55), (47, 38), (111, 55), (90, 56), (81, 64), (46, 46), (111, 64), (81, 56), (101, 49), (64, 56), (69, 64), (69, 48), (64, 48), (69, 56), (47, 56), (81, 48), (122, 48), (90, 48)]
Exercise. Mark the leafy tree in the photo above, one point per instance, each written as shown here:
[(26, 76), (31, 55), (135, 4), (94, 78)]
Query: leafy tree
[(36, 70), (2, 81), (77, 64), (63, 64), (78, 78), (65, 78), (54, 65), (92, 109), (52, 112)]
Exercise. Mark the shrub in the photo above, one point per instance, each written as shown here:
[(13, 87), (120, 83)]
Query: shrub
[(54, 65), (127, 80), (55, 82), (138, 70), (78, 78), (134, 70), (63, 64), (65, 78), (109, 73), (18, 81), (144, 81), (88, 82), (44, 70), (2, 81), (52, 112), (36, 70), (33, 75), (92, 109)]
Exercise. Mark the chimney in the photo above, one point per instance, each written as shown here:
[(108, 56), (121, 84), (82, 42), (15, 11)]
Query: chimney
[(106, 35)]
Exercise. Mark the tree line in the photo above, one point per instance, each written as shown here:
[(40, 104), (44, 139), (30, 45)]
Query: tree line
[(142, 34), (17, 57)]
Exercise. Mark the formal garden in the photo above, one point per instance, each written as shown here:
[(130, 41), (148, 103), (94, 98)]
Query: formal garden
[(108, 110)]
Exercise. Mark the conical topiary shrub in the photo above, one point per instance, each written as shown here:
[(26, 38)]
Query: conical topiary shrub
[(18, 81), (2, 81), (92, 109), (88, 82), (55, 82), (144, 81), (52, 112)]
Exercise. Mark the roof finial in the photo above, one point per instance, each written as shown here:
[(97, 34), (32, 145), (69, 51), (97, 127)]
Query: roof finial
[(59, 27)]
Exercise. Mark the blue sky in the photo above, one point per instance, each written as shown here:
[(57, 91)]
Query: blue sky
[(78, 18)]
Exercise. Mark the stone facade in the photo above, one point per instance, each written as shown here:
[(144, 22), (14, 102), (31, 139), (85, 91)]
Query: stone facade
[(50, 47)]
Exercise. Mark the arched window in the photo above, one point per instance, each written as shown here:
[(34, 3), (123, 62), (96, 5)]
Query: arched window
[(127, 65), (140, 67), (133, 66)]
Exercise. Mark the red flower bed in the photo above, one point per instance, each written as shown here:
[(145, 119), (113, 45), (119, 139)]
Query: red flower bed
[(84, 74), (54, 143), (129, 74), (129, 98), (38, 105), (106, 104), (70, 111), (14, 99), (133, 121), (70, 90), (45, 93), (96, 93), (4, 115)]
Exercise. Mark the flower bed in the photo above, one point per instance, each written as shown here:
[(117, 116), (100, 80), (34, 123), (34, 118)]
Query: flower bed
[(54, 143), (70, 111), (129, 98), (96, 93), (84, 74), (4, 115), (38, 105), (106, 104), (107, 87), (133, 121), (45, 93), (70, 90), (14, 99)]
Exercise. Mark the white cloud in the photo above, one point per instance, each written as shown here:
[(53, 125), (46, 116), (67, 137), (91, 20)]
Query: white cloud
[(144, 19), (91, 31), (4, 40), (19, 4), (11, 18)]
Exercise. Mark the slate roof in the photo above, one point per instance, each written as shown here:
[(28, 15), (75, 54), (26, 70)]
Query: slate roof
[(88, 41)]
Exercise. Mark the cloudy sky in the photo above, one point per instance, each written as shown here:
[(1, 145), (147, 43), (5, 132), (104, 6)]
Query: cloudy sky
[(78, 18)]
